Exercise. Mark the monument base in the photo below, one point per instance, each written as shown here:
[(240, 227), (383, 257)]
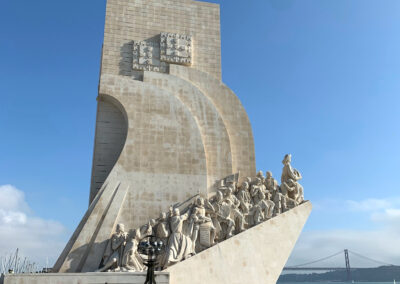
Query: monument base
[(84, 278), (255, 256)]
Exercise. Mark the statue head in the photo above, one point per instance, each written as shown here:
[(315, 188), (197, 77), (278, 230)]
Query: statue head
[(120, 228), (245, 185), (177, 212), (200, 202), (163, 216), (135, 234), (258, 181), (287, 159), (219, 196), (260, 174), (269, 174)]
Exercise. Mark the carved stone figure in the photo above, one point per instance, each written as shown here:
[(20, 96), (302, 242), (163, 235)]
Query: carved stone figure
[(131, 260), (161, 228), (260, 175), (273, 189), (162, 232), (244, 197), (198, 219), (262, 210), (220, 215), (179, 245), (235, 214), (114, 251), (256, 189), (289, 179)]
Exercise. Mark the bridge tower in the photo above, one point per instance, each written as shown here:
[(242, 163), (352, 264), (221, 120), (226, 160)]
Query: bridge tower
[(347, 260)]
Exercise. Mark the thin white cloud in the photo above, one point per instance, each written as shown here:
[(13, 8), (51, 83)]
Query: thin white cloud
[(38, 239), (370, 204)]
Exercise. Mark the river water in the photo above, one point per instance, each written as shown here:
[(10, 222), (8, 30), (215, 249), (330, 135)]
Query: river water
[(327, 282)]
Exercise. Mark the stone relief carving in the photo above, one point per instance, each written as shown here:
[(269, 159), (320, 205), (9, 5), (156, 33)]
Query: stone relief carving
[(203, 223), (146, 56), (155, 54), (176, 48)]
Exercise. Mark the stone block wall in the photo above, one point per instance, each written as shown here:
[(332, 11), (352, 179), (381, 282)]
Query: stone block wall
[(138, 20)]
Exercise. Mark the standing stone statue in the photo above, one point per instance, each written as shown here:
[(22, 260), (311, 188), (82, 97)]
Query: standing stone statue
[(256, 189), (114, 251), (235, 214), (273, 189), (220, 215), (289, 179), (162, 231), (244, 197), (179, 245)]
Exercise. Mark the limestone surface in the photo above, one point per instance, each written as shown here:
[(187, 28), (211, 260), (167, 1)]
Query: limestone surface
[(168, 131), (167, 128), (83, 278), (257, 255)]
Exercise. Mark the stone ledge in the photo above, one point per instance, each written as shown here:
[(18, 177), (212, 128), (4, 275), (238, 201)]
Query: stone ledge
[(84, 278)]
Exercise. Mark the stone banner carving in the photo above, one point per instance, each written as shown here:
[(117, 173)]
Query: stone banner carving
[(235, 207)]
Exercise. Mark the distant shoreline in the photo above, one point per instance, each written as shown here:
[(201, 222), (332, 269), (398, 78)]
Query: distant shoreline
[(376, 275)]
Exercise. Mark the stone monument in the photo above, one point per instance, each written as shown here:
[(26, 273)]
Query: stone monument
[(174, 158)]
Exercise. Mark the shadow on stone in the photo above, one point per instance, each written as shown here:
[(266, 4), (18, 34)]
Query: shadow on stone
[(126, 58)]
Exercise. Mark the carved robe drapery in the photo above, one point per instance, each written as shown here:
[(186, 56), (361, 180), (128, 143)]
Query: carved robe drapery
[(289, 183), (131, 259), (115, 248), (179, 245)]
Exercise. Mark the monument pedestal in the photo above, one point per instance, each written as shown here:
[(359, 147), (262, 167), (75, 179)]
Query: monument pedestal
[(255, 256), (84, 278)]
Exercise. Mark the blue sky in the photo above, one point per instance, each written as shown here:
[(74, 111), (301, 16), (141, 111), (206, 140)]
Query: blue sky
[(319, 79)]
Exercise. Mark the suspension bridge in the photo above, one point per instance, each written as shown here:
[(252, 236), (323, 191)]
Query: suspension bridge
[(313, 265)]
